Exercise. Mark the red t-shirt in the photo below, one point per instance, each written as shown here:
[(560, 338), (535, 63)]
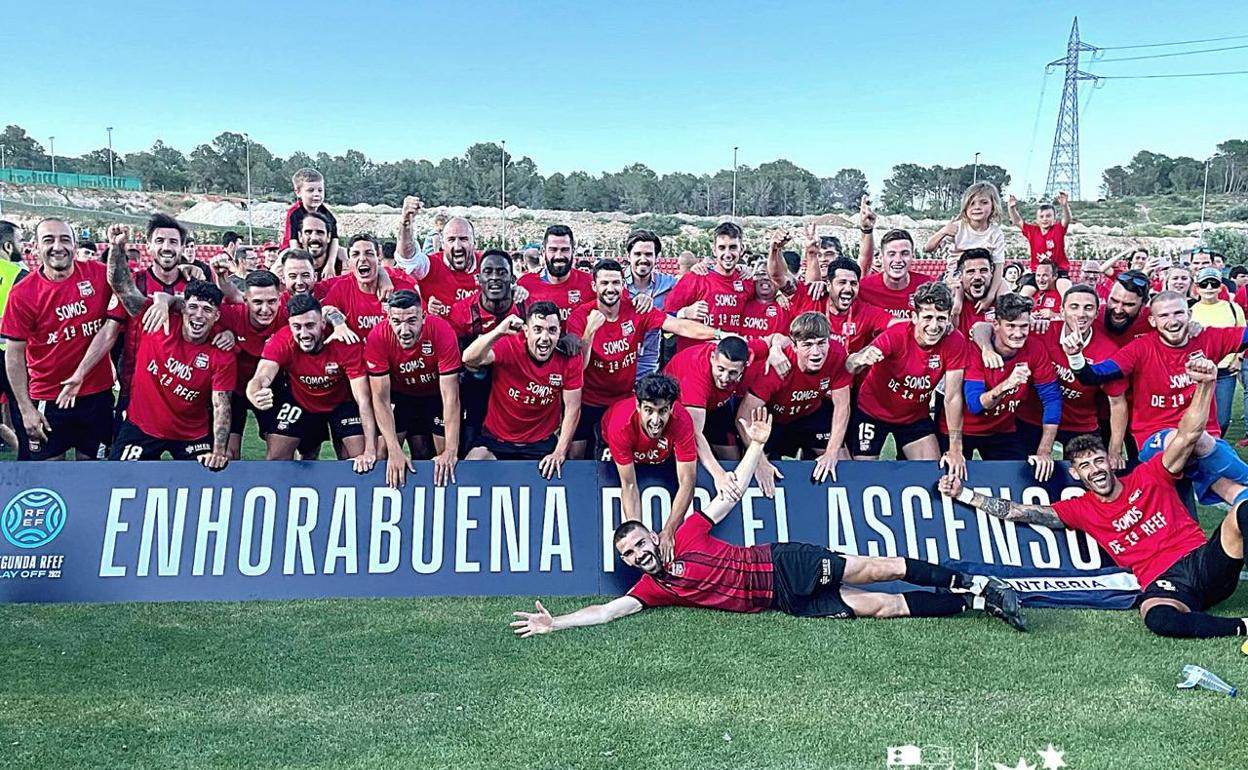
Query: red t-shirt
[(612, 370), (1160, 388), (969, 316), (621, 426), (1000, 419), (320, 381), (1145, 529), (56, 320), (708, 572), (895, 301), (249, 341), (526, 402), (760, 319), (470, 320), (855, 328), (1050, 300), (726, 296), (692, 369), (899, 388), (800, 393), (1049, 245), (1241, 297), (414, 372), (577, 290), (173, 383), (1080, 407), (447, 285), (363, 310)]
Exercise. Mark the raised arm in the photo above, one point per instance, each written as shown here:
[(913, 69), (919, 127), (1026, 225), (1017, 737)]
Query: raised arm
[(481, 352), (542, 622), (757, 430), (1040, 515), (777, 270), (1016, 219), (866, 241), (1191, 426), (1063, 200), (120, 279), (406, 252)]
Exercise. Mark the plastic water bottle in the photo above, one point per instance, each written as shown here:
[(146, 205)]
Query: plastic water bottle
[(1195, 676)]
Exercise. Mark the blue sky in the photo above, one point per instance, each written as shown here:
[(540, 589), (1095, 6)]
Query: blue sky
[(596, 86)]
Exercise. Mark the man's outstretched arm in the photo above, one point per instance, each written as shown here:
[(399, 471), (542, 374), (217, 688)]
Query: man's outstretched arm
[(1041, 515), (542, 622)]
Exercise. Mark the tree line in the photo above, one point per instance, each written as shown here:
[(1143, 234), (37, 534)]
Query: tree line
[(779, 187)]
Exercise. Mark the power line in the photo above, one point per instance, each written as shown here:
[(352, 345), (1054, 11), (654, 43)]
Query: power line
[(1180, 42), (1167, 55), (1183, 75)]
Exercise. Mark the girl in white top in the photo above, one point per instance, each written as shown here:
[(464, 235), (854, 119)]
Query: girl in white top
[(976, 226)]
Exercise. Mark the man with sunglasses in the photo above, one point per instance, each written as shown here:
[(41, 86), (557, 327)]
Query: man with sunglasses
[(1161, 388), (1213, 312)]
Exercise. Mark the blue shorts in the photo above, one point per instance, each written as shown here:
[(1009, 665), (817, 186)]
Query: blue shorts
[(1202, 480)]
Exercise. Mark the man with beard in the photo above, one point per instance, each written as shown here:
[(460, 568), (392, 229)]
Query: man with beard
[(1044, 292), (644, 249), (811, 402), (533, 383), (993, 395), (853, 323), (717, 298), (50, 320), (560, 283), (1125, 317), (798, 579), (313, 237), (974, 280), (904, 365), (612, 333), (328, 390), (1153, 366), (446, 276), (358, 293), (894, 287), (413, 365), (1082, 411), (650, 429), (178, 374), (710, 376), (1141, 522)]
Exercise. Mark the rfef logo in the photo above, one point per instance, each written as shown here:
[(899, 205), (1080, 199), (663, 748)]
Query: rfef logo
[(33, 518)]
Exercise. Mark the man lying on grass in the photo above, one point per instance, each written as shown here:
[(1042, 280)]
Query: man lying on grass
[(1142, 523), (797, 578)]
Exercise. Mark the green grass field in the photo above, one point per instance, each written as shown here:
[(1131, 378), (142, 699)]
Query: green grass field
[(441, 683)]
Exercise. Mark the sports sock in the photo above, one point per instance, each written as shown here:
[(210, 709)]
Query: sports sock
[(931, 604), (1223, 462), (921, 573), (1165, 620)]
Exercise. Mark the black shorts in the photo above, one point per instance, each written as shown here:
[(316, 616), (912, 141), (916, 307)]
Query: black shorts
[(86, 427), (292, 420), (996, 446), (1029, 436), (807, 435), (806, 581), (474, 394), (239, 406), (867, 434), (133, 444), (719, 428), (508, 450), (418, 415), (1201, 579), (591, 418)]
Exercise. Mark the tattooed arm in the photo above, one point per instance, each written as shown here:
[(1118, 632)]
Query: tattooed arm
[(219, 457), (120, 279), (1040, 515)]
